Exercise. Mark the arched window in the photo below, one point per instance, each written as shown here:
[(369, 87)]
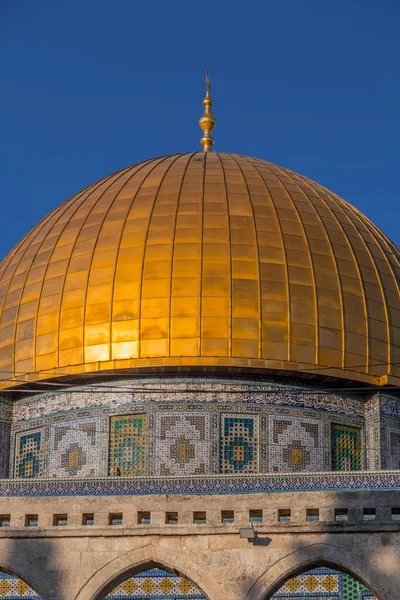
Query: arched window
[(323, 582), (155, 583), (14, 588)]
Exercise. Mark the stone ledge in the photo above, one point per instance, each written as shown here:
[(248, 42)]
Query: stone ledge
[(189, 531)]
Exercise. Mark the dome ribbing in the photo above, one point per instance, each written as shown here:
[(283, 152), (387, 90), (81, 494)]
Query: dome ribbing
[(202, 261)]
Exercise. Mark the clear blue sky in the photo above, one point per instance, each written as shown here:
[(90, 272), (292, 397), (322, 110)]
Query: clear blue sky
[(90, 86)]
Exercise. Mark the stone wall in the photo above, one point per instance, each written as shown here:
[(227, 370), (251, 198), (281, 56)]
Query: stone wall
[(81, 562)]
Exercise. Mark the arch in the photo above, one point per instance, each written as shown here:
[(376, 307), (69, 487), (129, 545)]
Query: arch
[(15, 587), (321, 555), (154, 580), (147, 557), (322, 579)]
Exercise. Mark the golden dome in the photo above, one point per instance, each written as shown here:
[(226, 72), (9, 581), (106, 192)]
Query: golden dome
[(202, 261)]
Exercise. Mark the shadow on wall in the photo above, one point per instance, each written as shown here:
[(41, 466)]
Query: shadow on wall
[(29, 570)]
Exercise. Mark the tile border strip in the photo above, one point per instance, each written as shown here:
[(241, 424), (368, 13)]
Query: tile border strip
[(222, 484)]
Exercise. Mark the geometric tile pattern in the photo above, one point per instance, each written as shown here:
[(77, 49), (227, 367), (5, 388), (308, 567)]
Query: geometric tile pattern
[(28, 453), (237, 483), (156, 584), (182, 443), (373, 433), (322, 583), (372, 436), (354, 590), (5, 429), (75, 448), (185, 431), (346, 448), (157, 440), (239, 444), (392, 448), (295, 444), (128, 445), (12, 588), (186, 440)]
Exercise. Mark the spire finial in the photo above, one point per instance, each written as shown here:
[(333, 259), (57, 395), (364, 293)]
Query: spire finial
[(207, 121)]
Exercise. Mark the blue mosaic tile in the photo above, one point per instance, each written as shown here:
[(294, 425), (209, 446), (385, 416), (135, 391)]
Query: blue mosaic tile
[(239, 444), (28, 454)]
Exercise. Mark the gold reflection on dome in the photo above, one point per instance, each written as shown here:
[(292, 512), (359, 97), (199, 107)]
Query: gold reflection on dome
[(205, 261)]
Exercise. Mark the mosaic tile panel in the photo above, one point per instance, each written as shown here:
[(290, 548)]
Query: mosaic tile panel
[(346, 448), (266, 457), (371, 432), (75, 448), (392, 447), (215, 466), (151, 441), (156, 584), (182, 443), (28, 454), (373, 443), (239, 444), (295, 444), (128, 445), (12, 588), (5, 432), (263, 401), (323, 583)]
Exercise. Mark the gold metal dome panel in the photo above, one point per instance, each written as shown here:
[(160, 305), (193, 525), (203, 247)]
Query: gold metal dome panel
[(202, 260)]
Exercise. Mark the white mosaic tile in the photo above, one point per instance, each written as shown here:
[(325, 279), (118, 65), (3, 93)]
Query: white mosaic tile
[(182, 443)]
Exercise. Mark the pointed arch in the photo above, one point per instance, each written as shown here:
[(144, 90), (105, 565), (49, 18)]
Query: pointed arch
[(153, 581), (321, 555), (322, 579), (144, 558)]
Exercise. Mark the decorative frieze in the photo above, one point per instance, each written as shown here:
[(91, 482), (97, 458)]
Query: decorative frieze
[(180, 427), (204, 484)]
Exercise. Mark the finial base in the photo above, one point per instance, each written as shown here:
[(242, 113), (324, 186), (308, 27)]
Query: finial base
[(207, 142)]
